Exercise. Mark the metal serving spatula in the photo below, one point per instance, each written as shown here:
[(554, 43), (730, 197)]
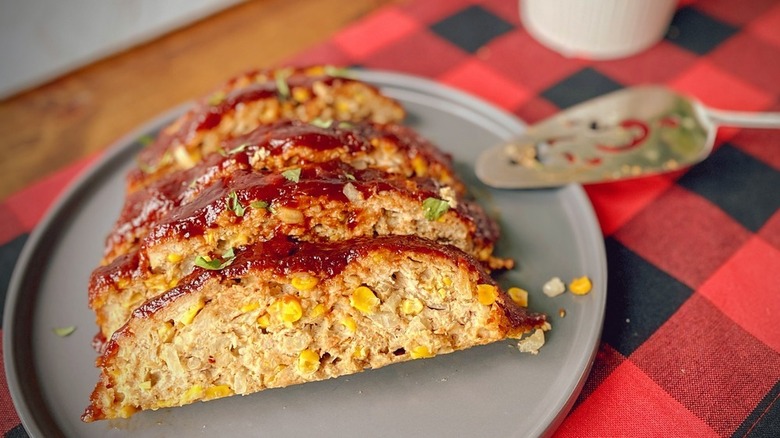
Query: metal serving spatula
[(625, 134)]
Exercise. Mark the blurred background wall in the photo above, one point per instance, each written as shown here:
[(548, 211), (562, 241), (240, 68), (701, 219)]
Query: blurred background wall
[(41, 39)]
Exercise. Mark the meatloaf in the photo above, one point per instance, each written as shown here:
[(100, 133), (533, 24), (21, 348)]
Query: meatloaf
[(289, 228), (392, 148), (285, 312), (329, 201), (254, 99)]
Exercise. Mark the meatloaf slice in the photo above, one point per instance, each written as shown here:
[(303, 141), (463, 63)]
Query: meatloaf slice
[(284, 312), (254, 99), (324, 202), (392, 148)]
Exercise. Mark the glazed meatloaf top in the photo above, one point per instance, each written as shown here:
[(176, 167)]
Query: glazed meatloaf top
[(255, 99), (393, 148)]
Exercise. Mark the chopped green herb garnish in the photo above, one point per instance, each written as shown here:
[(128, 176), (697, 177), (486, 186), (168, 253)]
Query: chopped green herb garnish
[(234, 205), (216, 98), (145, 168), (216, 264), (146, 140), (321, 123), (345, 125), (64, 331), (350, 176), (233, 151), (208, 264), (166, 159), (292, 174), (259, 204), (281, 85), (238, 149), (342, 72), (434, 208)]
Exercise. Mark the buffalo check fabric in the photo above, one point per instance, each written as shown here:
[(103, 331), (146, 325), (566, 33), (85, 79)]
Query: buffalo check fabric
[(691, 341)]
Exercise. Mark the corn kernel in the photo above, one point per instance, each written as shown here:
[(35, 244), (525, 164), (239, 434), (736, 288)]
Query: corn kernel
[(164, 331), (275, 307), (301, 94), (304, 281), (122, 283), (218, 391), (487, 294), (210, 236), (290, 309), (166, 403), (420, 166), (442, 293), (421, 352), (156, 283), (239, 239), (342, 106), (187, 317), (580, 286), (317, 311), (264, 321), (308, 362), (519, 296), (360, 353), (248, 307), (133, 301), (349, 323), (174, 258), (447, 281), (145, 385), (411, 306), (126, 411), (184, 158), (364, 300), (195, 392), (317, 70)]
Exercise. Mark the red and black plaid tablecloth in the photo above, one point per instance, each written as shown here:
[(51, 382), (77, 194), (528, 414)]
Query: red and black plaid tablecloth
[(691, 343)]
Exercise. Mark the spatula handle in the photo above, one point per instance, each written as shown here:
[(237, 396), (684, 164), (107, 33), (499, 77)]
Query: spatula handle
[(744, 119)]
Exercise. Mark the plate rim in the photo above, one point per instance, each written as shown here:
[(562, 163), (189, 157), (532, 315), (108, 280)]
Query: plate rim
[(78, 188)]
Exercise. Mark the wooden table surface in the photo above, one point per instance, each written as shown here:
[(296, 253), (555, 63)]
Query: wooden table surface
[(50, 126)]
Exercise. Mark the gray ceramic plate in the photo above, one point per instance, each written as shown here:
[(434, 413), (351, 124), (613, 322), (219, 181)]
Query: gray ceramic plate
[(491, 390)]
